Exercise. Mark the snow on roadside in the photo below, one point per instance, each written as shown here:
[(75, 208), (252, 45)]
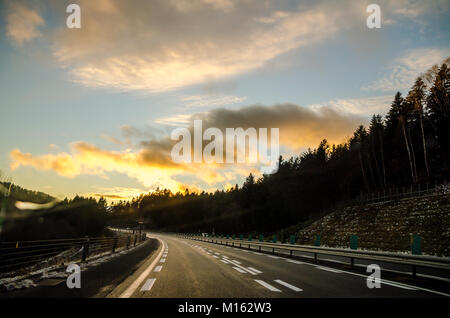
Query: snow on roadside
[(56, 271)]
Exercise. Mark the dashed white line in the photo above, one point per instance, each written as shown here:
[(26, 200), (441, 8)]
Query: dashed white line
[(237, 262), (243, 268), (158, 268), (148, 284), (254, 270), (224, 261), (239, 269), (296, 289), (268, 286), (130, 290), (162, 260), (272, 256)]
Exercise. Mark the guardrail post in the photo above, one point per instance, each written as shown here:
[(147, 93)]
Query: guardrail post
[(352, 262), (291, 252), (414, 272), (114, 245), (135, 240), (315, 258), (128, 241), (273, 250), (260, 248), (85, 253)]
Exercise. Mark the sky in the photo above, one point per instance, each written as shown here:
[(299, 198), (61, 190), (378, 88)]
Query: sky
[(90, 111)]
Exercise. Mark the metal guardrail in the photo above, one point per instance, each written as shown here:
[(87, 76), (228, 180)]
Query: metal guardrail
[(24, 257), (410, 260), (403, 193)]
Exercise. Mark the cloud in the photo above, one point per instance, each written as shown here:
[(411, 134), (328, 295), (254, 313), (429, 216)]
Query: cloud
[(407, 67), (197, 101), (161, 45), (412, 9), (22, 23), (152, 164), (358, 106), (116, 193), (62, 163), (299, 126)]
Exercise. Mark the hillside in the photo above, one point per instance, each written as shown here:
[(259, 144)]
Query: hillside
[(387, 226)]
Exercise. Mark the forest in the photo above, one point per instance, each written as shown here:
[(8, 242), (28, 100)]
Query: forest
[(410, 146)]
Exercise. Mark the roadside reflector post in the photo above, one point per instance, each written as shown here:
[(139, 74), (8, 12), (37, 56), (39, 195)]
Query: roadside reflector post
[(354, 242), (292, 239), (317, 241), (416, 245)]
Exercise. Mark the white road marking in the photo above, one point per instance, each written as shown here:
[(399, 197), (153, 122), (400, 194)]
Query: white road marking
[(295, 262), (243, 268), (224, 261), (158, 268), (268, 286), (397, 285), (237, 262), (131, 289), (257, 253), (148, 284), (224, 256), (215, 256), (272, 256), (329, 269), (162, 260), (239, 270), (216, 253), (296, 289), (254, 269)]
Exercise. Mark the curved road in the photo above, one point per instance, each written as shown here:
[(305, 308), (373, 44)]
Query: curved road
[(186, 268)]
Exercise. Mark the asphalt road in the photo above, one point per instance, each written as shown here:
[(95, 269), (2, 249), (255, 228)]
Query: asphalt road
[(183, 268), (186, 268)]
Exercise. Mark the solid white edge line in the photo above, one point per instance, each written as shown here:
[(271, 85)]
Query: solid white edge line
[(296, 289), (268, 286), (132, 288)]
